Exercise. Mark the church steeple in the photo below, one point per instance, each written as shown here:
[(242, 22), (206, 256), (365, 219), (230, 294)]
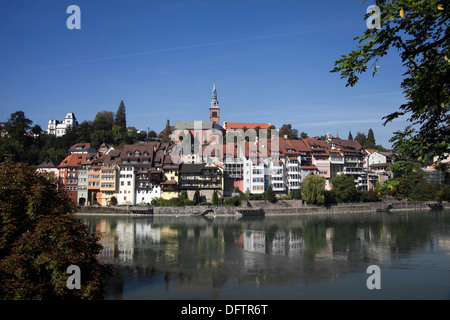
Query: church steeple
[(214, 109), (214, 102)]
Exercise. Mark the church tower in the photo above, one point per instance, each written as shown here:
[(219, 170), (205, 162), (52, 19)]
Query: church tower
[(214, 109)]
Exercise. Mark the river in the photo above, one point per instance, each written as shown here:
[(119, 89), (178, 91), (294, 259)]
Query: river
[(276, 257)]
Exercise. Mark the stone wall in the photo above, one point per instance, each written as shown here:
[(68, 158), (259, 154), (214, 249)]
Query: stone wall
[(281, 207)]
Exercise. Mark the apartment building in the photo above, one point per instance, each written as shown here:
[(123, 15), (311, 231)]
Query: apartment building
[(204, 177), (68, 174)]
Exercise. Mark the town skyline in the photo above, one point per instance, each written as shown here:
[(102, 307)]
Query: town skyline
[(269, 62)]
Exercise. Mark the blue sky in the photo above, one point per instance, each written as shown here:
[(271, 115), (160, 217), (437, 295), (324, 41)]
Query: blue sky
[(270, 61)]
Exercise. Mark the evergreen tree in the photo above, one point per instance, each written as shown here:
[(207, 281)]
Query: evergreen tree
[(350, 137), (121, 119), (215, 198), (361, 138), (270, 195), (196, 198), (370, 142)]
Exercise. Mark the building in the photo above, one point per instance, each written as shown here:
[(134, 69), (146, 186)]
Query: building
[(68, 174), (169, 185), (59, 128), (48, 169), (141, 172), (206, 178), (197, 133)]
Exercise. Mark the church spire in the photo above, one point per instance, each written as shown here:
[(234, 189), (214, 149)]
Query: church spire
[(214, 102), (214, 109)]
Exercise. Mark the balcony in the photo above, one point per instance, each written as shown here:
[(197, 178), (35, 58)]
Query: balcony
[(337, 160)]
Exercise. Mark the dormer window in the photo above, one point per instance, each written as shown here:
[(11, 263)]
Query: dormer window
[(128, 153), (137, 153)]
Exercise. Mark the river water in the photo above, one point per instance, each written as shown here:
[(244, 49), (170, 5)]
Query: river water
[(276, 257)]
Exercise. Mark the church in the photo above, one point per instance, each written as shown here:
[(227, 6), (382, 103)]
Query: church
[(203, 132)]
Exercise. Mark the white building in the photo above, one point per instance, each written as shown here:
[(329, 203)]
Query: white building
[(59, 128)]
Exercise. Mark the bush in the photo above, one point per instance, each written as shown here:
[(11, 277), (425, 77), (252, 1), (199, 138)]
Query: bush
[(296, 194), (232, 201)]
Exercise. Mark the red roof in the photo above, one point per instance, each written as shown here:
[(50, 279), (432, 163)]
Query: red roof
[(242, 125), (73, 160)]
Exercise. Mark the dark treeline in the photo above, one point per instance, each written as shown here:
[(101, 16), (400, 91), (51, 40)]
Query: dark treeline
[(28, 144)]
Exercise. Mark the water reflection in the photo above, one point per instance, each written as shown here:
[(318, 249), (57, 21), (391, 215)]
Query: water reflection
[(270, 258)]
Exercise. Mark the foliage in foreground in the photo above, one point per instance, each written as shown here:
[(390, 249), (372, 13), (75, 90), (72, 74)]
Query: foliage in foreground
[(40, 237)]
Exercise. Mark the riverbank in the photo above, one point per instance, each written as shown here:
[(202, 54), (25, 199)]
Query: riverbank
[(282, 207)]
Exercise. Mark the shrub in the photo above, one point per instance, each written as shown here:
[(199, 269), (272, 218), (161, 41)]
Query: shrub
[(232, 201)]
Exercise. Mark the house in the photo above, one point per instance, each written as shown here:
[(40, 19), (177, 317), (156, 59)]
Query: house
[(83, 148), (206, 178), (169, 185), (48, 169), (68, 174), (141, 172), (59, 128)]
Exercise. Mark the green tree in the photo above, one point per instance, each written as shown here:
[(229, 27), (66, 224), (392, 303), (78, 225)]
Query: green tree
[(370, 141), (313, 189), (40, 237), (121, 118), (421, 36), (104, 121), (270, 195), (196, 198), (303, 135), (350, 137), (361, 138), (215, 198), (296, 194), (18, 125), (344, 188)]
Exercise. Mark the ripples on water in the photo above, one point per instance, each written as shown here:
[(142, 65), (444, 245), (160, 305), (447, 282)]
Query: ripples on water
[(276, 257)]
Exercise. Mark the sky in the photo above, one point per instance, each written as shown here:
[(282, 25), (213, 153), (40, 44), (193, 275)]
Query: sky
[(270, 62)]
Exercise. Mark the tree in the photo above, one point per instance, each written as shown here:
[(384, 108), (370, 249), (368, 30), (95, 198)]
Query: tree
[(36, 129), (303, 135), (196, 198), (296, 194), (104, 120), (165, 134), (215, 198), (370, 141), (40, 237), (344, 188), (18, 125), (313, 189), (287, 130), (350, 137), (361, 138), (270, 195), (120, 118), (419, 31)]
